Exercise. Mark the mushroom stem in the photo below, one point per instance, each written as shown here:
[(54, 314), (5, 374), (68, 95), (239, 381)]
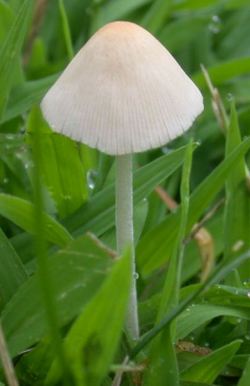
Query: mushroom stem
[(125, 232)]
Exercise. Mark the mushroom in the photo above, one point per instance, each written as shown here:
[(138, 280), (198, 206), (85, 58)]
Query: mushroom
[(123, 93)]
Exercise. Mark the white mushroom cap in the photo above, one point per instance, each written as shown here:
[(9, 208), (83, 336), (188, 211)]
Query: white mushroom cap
[(122, 93)]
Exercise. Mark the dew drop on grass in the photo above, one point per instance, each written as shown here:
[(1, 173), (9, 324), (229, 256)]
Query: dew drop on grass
[(165, 150), (198, 142), (67, 197), (136, 275), (91, 178), (248, 294), (215, 24), (230, 97), (10, 137), (22, 130)]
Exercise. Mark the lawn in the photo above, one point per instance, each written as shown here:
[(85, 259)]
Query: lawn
[(67, 279)]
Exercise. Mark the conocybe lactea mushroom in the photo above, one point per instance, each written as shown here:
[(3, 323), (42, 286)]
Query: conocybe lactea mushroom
[(123, 93)]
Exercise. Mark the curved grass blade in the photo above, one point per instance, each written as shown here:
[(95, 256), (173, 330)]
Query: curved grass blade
[(209, 368), (21, 212)]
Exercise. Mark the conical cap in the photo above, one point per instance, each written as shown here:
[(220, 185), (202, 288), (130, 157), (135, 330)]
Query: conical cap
[(122, 93)]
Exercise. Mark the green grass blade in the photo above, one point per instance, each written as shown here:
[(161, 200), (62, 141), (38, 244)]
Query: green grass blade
[(21, 213), (12, 271), (199, 314), (222, 72), (154, 248), (157, 15), (11, 49), (90, 345), (209, 368), (77, 271), (66, 30), (237, 208), (24, 96), (244, 380), (44, 278)]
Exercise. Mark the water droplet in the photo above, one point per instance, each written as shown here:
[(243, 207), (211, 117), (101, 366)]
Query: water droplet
[(237, 245), (67, 197), (10, 137), (187, 309), (62, 296), (247, 337), (89, 11), (206, 344), (215, 24), (22, 130), (136, 275), (18, 155), (248, 294), (91, 178), (230, 97), (198, 142), (166, 150)]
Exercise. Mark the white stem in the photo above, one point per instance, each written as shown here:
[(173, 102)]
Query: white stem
[(125, 232)]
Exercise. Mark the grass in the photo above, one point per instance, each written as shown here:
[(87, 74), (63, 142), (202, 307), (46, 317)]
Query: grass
[(63, 295)]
